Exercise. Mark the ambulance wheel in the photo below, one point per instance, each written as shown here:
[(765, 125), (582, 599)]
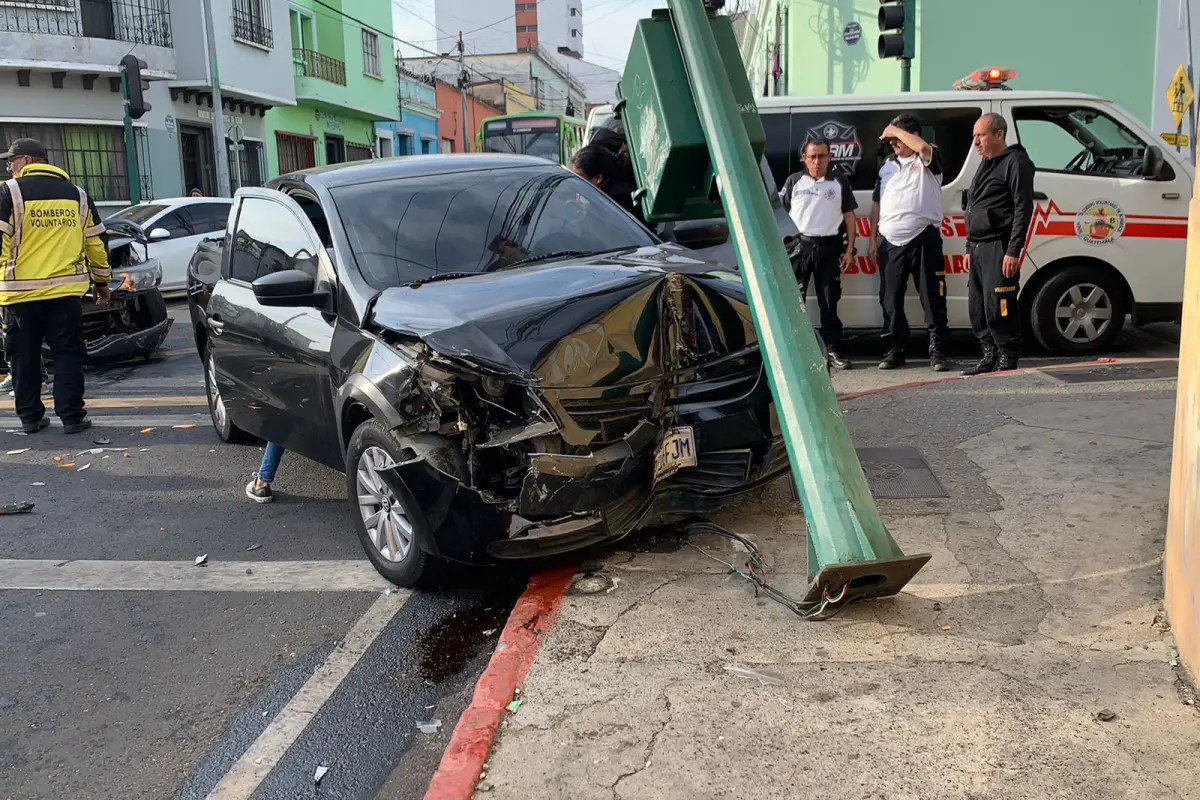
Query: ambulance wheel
[(1079, 311)]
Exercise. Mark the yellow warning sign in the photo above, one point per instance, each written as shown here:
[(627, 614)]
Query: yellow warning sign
[(1177, 139), (1180, 95)]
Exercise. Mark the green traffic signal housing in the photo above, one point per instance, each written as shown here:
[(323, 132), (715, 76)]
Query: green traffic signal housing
[(897, 29), (135, 85)]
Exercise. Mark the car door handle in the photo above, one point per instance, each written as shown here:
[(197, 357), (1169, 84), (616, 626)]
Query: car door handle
[(216, 325), (1170, 195), (1040, 195)]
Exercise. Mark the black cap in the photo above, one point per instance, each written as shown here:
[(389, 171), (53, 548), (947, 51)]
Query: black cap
[(24, 147)]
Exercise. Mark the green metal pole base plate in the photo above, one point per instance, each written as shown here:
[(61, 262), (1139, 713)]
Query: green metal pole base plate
[(865, 579)]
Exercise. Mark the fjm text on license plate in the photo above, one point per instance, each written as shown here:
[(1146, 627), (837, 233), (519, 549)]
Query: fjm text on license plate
[(678, 450)]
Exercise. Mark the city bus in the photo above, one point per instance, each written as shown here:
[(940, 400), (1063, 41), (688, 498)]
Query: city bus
[(555, 137)]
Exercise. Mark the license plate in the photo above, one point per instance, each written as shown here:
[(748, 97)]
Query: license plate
[(677, 451)]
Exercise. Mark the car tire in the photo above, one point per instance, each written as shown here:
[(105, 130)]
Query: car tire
[(1079, 311), (379, 495), (226, 431), (153, 309)]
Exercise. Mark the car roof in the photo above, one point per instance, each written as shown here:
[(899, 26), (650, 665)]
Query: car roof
[(967, 97), (184, 201), (409, 167)]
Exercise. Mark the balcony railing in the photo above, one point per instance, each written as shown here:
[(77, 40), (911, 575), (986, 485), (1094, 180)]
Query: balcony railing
[(312, 64), (137, 21)]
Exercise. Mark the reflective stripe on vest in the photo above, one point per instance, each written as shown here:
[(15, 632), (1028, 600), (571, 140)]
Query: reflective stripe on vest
[(14, 244), (41, 283)]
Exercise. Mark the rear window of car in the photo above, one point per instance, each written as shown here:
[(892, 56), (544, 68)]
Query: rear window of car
[(138, 214), (407, 229)]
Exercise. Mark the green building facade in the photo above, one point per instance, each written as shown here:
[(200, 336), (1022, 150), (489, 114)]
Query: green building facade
[(345, 82), (1101, 47)]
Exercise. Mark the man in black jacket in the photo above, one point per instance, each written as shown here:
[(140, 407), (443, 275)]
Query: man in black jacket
[(999, 210)]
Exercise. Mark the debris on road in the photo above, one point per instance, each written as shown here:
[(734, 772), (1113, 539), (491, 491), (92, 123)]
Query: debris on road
[(37, 483), (320, 773), (202, 560), (762, 676), (253, 547), (67, 465), (18, 452), (101, 440), (514, 706), (433, 726), (186, 427), (1106, 715), (145, 430), (58, 459), (95, 451), (85, 466), (17, 508)]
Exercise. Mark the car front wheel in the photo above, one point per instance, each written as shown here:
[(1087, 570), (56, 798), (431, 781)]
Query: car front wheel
[(1079, 312), (388, 519), (217, 410)]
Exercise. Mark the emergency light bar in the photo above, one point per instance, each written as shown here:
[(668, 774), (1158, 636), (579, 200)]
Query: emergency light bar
[(984, 79)]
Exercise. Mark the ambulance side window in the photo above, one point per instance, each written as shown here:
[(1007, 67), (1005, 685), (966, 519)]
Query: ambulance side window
[(1079, 141), (950, 129), (777, 126), (853, 140)]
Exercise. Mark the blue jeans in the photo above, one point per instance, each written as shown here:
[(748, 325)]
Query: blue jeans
[(270, 462)]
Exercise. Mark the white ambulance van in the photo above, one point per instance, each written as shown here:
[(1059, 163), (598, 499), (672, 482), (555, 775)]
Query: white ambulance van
[(1110, 222)]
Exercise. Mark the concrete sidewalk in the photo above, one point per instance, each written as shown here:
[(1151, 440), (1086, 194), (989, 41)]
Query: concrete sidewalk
[(1040, 608)]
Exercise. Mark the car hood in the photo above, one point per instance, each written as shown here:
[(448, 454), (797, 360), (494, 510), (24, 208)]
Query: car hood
[(603, 320)]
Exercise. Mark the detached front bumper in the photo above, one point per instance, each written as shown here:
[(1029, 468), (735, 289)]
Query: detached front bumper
[(568, 502), (122, 346)]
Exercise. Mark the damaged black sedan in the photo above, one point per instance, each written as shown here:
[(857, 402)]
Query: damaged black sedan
[(504, 363)]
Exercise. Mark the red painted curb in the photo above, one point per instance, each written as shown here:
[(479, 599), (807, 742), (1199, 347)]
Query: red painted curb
[(527, 626)]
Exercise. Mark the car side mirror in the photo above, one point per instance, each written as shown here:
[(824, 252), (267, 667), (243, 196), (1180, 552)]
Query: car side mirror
[(701, 234), (158, 234), (1153, 163), (289, 287)]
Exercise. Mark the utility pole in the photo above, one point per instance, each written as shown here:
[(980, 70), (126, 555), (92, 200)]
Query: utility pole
[(463, 83), (218, 113)]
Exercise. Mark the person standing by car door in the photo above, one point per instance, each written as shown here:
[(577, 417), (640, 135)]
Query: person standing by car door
[(910, 213), (999, 211), (822, 205), (51, 248)]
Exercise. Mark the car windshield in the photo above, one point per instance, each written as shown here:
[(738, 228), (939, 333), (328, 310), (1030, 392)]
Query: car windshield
[(138, 214), (543, 144), (410, 229)]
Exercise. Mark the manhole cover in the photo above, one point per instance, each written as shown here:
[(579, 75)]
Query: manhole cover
[(897, 473), (1109, 373)]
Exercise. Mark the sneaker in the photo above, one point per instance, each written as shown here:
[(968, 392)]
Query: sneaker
[(78, 427), (837, 362), (34, 427), (6, 384), (893, 360), (259, 494)]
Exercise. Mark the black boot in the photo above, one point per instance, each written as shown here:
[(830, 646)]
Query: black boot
[(893, 360), (937, 359), (987, 363), (1007, 362), (837, 362)]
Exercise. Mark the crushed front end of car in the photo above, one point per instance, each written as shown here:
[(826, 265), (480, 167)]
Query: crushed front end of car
[(134, 323), (551, 408)]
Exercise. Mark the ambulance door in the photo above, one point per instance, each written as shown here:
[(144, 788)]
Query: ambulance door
[(1095, 212)]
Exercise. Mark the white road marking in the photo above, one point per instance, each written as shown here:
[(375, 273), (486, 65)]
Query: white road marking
[(102, 420), (185, 576), (266, 751)]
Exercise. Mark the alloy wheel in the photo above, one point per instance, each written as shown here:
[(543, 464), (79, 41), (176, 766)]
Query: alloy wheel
[(1083, 313), (216, 402), (388, 526)]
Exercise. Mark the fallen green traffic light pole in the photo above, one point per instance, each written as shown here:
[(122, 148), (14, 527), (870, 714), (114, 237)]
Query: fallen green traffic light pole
[(851, 555)]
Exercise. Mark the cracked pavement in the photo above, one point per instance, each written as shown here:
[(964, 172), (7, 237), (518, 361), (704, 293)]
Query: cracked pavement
[(1039, 608)]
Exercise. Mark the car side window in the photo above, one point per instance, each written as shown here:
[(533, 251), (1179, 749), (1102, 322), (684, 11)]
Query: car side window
[(205, 217), (174, 224), (1079, 140), (270, 238)]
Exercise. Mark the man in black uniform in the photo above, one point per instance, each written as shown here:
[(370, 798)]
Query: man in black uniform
[(822, 205), (999, 210)]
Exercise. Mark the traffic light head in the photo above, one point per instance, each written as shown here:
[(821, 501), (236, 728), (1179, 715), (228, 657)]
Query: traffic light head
[(135, 86), (897, 28)]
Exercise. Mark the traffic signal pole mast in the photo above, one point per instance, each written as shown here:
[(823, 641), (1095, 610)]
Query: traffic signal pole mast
[(219, 134), (898, 36), (849, 547), (133, 89)]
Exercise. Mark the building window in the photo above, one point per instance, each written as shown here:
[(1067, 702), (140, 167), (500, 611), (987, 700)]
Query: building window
[(295, 152), (252, 22), (359, 152), (527, 29), (526, 6), (137, 21), (93, 155), (574, 33), (370, 47), (574, 12), (250, 162)]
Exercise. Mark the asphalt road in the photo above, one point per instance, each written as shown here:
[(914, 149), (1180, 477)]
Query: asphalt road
[(129, 672)]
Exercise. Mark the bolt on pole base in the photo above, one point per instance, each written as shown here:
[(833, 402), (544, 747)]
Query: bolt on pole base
[(866, 580)]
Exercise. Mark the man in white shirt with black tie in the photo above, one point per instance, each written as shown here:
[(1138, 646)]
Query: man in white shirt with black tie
[(822, 205)]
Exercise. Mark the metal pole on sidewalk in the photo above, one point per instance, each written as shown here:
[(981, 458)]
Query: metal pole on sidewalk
[(219, 144), (906, 74), (131, 156), (847, 541), (462, 90)]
